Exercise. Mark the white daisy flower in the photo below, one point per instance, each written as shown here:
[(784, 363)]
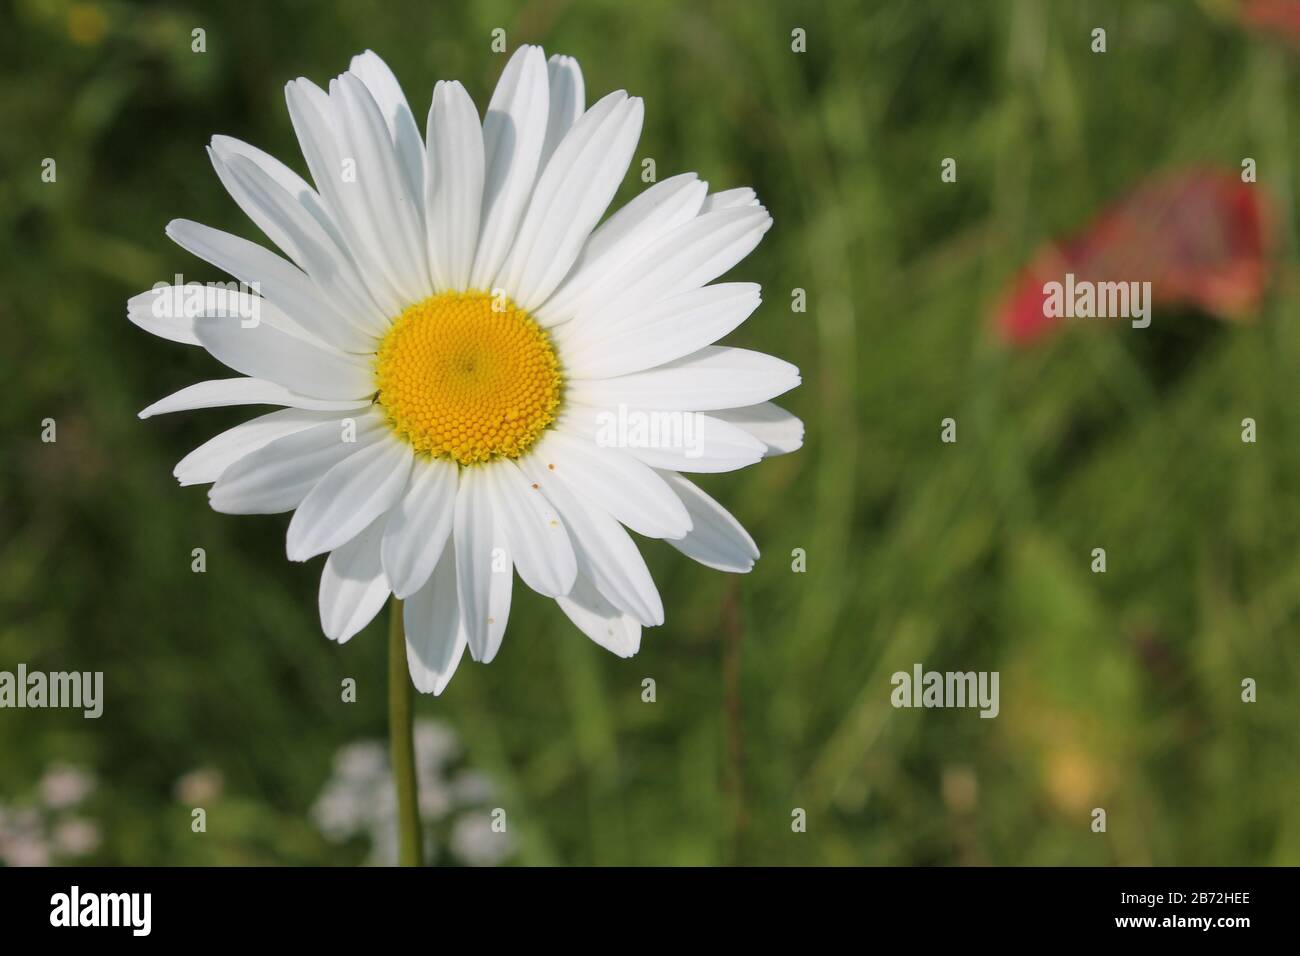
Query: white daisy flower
[(466, 362)]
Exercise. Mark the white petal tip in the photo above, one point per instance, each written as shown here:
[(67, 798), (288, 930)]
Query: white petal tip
[(434, 687), (342, 635), (676, 535), (298, 554)]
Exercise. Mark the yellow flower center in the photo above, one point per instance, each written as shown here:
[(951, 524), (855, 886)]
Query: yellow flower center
[(469, 377)]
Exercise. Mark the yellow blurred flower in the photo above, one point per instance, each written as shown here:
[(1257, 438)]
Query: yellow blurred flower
[(87, 24)]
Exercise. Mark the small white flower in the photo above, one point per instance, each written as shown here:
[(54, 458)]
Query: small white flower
[(22, 839), (435, 798), (475, 842), (449, 330), (472, 787), (64, 786), (361, 763), (76, 837), (25, 850), (200, 786), (339, 812), (435, 744)]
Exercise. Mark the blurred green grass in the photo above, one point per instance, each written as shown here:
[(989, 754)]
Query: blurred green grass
[(1120, 691)]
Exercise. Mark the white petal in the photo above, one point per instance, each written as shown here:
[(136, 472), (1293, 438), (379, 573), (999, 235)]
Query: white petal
[(483, 567), (568, 96), (402, 128), (224, 148), (220, 392), (355, 492), (156, 312), (717, 540), (619, 241), (353, 588), (606, 553), (279, 475), (514, 130), (454, 186), (615, 482), (321, 135), (533, 532), (672, 440), (659, 333), (714, 377), (771, 424), (729, 199), (264, 351), (435, 634), (570, 197), (280, 282), (601, 621), (388, 214), (206, 463), (305, 239), (173, 311), (681, 260), (715, 447), (419, 524)]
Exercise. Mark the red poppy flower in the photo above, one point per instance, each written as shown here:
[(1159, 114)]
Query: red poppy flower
[(1202, 238)]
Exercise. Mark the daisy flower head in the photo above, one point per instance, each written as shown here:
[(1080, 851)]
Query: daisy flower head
[(475, 374)]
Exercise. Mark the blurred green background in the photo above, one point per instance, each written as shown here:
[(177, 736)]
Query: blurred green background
[(1119, 691)]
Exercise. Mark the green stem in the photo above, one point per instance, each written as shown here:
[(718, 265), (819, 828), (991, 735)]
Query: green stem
[(402, 743)]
